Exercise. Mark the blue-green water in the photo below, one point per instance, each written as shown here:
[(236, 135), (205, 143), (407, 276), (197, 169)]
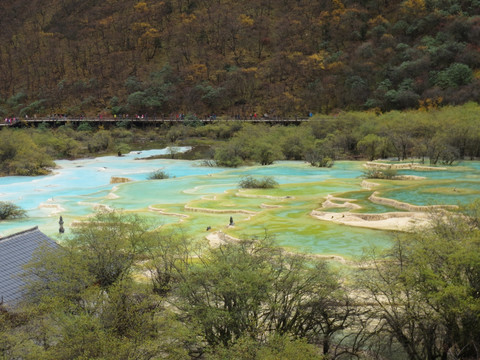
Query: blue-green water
[(76, 188)]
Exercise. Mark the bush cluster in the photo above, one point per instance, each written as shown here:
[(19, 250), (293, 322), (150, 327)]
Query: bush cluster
[(387, 174), (9, 210), (249, 182), (158, 175)]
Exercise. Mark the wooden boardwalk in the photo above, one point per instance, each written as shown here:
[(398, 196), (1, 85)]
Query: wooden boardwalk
[(143, 121)]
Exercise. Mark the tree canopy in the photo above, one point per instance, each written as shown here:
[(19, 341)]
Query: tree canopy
[(119, 288)]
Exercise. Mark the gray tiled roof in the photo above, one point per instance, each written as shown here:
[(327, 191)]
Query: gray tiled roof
[(15, 251)]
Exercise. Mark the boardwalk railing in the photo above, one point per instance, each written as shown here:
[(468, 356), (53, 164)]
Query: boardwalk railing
[(145, 120)]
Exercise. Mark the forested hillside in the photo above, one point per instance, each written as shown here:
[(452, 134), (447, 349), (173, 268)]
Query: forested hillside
[(279, 57)]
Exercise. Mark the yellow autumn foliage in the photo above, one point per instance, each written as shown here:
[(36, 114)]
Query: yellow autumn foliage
[(315, 61), (416, 7), (141, 6), (378, 20), (140, 26), (246, 20), (106, 21), (187, 19), (338, 5)]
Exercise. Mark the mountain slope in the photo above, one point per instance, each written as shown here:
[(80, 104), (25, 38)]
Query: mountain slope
[(279, 57)]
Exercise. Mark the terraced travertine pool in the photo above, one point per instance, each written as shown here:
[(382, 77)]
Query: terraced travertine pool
[(198, 196)]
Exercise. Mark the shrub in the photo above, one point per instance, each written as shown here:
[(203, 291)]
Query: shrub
[(43, 126), (20, 155), (227, 156), (9, 210), (192, 121), (99, 142), (124, 124), (317, 159), (175, 133), (250, 182), (84, 126), (158, 175), (122, 148), (379, 173), (266, 154), (122, 133)]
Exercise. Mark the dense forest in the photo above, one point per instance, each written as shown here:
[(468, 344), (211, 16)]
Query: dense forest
[(278, 58)]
